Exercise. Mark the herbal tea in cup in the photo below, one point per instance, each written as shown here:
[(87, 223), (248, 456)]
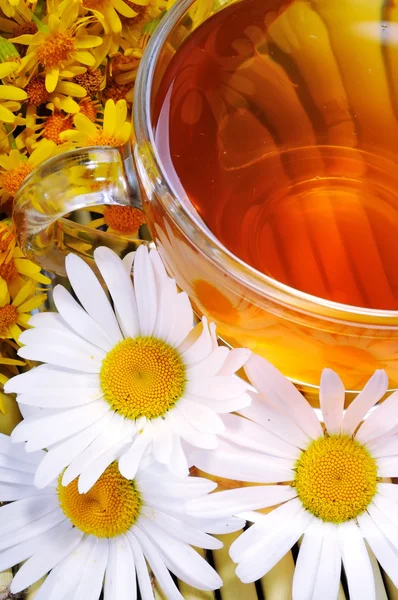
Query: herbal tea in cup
[(274, 126)]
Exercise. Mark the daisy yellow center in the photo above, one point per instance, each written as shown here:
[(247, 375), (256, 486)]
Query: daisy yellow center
[(115, 92), (123, 219), (142, 377), (109, 509), (11, 180), (8, 271), (336, 478), (56, 50), (8, 316)]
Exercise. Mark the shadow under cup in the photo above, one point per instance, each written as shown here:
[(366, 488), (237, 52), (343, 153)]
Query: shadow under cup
[(299, 333)]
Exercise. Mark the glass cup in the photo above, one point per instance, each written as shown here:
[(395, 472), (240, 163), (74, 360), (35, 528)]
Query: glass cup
[(299, 333)]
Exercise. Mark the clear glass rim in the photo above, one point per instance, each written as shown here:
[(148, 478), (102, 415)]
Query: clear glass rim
[(193, 227)]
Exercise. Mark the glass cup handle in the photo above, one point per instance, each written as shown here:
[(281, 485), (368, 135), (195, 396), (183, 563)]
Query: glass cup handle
[(70, 182)]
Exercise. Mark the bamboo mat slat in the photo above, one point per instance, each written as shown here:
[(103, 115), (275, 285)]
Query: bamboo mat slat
[(277, 584), (233, 588)]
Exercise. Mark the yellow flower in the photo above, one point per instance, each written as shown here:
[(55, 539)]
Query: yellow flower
[(108, 11), (18, 270), (63, 43), (115, 130), (124, 221), (63, 95), (16, 314), (136, 31), (7, 240), (10, 102), (15, 167), (12, 7)]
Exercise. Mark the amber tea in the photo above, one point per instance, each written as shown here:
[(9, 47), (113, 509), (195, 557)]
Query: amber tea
[(279, 121)]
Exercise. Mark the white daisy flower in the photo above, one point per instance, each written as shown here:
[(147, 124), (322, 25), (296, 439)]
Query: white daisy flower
[(331, 486), (105, 539), (118, 384)]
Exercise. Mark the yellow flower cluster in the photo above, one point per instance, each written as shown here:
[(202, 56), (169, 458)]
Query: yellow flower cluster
[(67, 73)]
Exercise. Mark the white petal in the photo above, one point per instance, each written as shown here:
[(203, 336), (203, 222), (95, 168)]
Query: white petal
[(128, 261), (14, 464), (113, 431), (272, 549), (158, 267), (221, 406), (121, 289), (47, 379), (387, 467), (242, 466), (49, 320), (62, 341), (183, 320), (380, 421), (92, 296), (64, 578), (93, 472), (215, 388), (162, 441), (201, 347), (62, 355), (332, 394), (308, 562), (10, 492), (79, 320), (261, 411), (388, 507), (157, 565), (390, 490), (187, 487), (60, 457), (57, 427), (182, 560), (33, 529), (45, 559), (180, 530), (145, 291), (165, 312), (209, 366), (386, 446), (273, 385), (120, 582), (251, 435), (90, 583), (328, 576), (178, 462), (130, 461), (23, 512), (357, 565), (386, 526), (17, 451), (269, 525), (381, 548), (235, 361), (373, 391), (144, 581), (189, 433), (232, 502), (202, 418), (17, 554), (12, 476)]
